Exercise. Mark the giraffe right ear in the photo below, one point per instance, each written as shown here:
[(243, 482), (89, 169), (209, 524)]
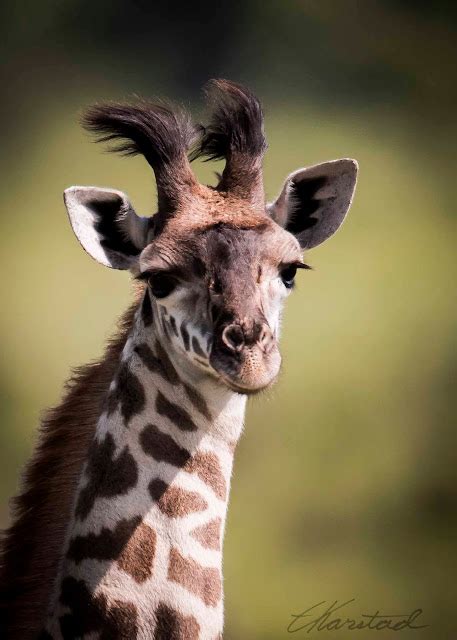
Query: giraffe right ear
[(314, 201), (106, 225)]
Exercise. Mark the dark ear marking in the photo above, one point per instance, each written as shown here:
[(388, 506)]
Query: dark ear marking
[(108, 228), (302, 195), (106, 225), (314, 201)]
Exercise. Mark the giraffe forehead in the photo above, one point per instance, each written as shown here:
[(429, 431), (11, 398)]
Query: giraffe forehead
[(210, 207), (220, 245)]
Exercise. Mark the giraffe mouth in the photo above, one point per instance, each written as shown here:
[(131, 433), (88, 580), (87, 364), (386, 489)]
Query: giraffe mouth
[(249, 371), (246, 391)]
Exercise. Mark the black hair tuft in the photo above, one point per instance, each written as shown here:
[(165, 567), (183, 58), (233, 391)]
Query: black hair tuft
[(236, 124), (160, 133)]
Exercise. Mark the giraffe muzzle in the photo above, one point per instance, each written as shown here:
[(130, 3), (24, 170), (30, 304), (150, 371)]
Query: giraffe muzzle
[(246, 356), (237, 336)]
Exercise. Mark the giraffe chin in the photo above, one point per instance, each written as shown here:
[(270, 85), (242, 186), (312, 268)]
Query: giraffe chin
[(249, 372)]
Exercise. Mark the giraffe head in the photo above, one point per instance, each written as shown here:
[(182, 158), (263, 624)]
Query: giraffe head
[(218, 261)]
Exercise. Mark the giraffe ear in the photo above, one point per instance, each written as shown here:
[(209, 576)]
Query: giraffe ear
[(106, 225), (314, 201)]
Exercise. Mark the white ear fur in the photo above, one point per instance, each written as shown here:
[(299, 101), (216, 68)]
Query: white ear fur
[(106, 225), (314, 201)]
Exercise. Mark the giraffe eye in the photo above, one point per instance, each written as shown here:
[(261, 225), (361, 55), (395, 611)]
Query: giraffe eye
[(287, 275), (162, 284)]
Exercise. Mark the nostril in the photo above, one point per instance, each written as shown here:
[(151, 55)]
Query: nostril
[(233, 337), (265, 339)]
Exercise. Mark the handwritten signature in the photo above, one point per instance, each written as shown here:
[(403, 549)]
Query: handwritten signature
[(327, 621)]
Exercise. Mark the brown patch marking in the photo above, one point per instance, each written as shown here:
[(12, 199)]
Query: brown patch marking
[(160, 364), (197, 400), (166, 330), (128, 393), (109, 476), (197, 348), (131, 543), (91, 614), (185, 336), (106, 545), (209, 534), (146, 309), (172, 625), (174, 413), (162, 447), (137, 557), (173, 326), (170, 371), (206, 465), (175, 502), (204, 582)]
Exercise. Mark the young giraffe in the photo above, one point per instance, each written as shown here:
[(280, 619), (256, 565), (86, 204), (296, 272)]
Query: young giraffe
[(118, 532)]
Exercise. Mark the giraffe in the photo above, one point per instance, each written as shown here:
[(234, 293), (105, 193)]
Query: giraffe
[(119, 527)]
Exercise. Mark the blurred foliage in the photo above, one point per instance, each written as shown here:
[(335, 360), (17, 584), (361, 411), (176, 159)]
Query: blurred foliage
[(345, 480)]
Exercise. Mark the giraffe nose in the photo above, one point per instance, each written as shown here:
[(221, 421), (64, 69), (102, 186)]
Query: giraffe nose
[(237, 336), (233, 337)]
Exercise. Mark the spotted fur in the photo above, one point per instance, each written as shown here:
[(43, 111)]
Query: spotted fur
[(119, 530)]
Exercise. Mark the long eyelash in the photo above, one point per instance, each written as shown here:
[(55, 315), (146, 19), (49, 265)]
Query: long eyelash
[(303, 265), (143, 276)]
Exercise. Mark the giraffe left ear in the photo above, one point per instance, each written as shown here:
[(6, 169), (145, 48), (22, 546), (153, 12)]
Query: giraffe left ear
[(106, 225), (314, 201)]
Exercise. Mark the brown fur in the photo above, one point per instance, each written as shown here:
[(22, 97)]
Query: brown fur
[(175, 502), (204, 582), (209, 534), (108, 474), (113, 620), (171, 625), (174, 413), (138, 554), (109, 544), (31, 547), (206, 466)]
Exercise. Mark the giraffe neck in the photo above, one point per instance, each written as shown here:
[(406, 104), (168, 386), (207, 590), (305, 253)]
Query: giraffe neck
[(143, 553)]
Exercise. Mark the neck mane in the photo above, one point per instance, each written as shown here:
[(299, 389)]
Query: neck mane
[(119, 528), (31, 547)]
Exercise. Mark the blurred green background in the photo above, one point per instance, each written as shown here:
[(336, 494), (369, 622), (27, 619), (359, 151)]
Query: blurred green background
[(345, 480)]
